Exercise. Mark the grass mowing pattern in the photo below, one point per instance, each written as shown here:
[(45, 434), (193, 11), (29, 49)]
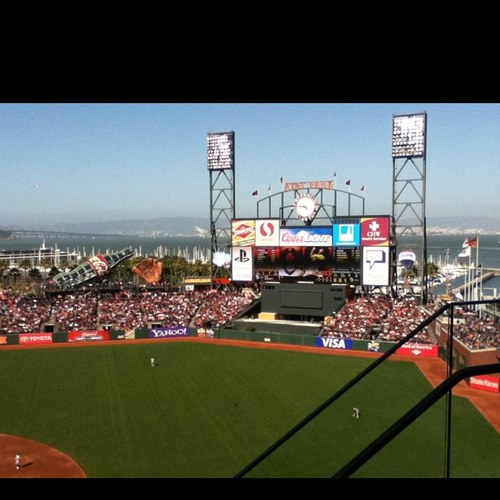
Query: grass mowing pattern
[(207, 410)]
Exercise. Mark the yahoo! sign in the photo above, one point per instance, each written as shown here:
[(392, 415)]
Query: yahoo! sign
[(156, 333)]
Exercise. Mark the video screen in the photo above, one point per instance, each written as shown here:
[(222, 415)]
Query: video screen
[(346, 265), (305, 264)]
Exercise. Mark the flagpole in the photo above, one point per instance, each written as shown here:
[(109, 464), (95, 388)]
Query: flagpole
[(469, 294), (479, 283), (465, 286)]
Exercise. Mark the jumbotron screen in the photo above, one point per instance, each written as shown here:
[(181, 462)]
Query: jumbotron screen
[(350, 251)]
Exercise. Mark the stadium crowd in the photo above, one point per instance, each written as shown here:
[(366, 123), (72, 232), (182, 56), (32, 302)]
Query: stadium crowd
[(477, 332), (123, 310), (380, 317), (369, 317)]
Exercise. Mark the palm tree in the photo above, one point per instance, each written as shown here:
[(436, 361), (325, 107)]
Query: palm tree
[(3, 267), (45, 263), (53, 271), (35, 274), (25, 265), (15, 273)]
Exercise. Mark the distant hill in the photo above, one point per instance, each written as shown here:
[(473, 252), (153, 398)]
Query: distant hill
[(199, 226), (463, 225), (163, 226)]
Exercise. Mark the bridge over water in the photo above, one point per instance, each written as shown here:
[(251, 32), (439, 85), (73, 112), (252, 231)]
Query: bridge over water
[(22, 234)]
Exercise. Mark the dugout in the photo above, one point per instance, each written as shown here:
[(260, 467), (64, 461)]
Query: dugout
[(304, 299)]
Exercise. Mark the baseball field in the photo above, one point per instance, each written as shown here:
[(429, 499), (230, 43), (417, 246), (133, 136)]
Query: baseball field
[(207, 410)]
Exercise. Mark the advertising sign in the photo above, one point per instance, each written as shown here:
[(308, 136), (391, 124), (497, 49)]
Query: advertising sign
[(376, 263), (267, 232), (306, 236), (485, 383), (243, 232), (35, 338), (88, 335), (375, 231), (333, 343), (420, 350), (242, 263), (156, 333), (346, 234), (99, 264)]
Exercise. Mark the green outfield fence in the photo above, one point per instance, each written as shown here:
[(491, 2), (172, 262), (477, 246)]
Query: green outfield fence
[(228, 334)]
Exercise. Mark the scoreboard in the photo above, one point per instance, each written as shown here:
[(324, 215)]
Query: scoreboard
[(353, 250)]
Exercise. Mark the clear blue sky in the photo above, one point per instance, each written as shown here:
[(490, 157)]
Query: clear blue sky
[(133, 161)]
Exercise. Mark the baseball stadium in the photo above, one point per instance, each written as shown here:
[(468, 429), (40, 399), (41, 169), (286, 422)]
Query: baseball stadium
[(304, 349)]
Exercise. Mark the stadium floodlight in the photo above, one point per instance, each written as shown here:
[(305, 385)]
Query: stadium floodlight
[(220, 151), (408, 135)]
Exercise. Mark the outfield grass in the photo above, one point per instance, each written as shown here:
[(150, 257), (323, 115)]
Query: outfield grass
[(208, 410)]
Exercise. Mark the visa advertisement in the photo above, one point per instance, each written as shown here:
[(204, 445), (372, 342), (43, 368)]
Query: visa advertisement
[(333, 343)]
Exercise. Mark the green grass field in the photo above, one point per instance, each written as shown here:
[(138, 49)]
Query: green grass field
[(208, 410)]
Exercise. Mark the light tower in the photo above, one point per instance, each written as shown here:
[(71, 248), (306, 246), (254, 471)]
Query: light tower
[(220, 162), (409, 135)]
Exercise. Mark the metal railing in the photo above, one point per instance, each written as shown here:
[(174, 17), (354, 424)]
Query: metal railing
[(353, 382)]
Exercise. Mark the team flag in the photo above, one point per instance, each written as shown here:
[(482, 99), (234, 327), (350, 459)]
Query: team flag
[(362, 188), (348, 183), (465, 252), (470, 243), (255, 193), (281, 179)]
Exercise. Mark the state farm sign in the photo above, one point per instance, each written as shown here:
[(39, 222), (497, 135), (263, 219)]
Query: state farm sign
[(485, 383)]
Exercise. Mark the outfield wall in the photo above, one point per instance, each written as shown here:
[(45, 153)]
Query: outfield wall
[(230, 334)]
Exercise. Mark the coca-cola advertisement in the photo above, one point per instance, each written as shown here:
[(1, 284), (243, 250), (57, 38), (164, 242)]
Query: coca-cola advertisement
[(88, 335)]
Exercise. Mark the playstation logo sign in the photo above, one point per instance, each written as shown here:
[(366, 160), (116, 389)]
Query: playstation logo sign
[(242, 264), (243, 256)]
